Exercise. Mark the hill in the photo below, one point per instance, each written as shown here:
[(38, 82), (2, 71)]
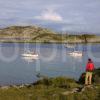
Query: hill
[(27, 34), (38, 34)]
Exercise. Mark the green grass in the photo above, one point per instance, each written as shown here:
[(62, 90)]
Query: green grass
[(88, 94), (40, 92)]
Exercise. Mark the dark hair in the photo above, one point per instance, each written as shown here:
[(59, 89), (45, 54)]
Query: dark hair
[(89, 59)]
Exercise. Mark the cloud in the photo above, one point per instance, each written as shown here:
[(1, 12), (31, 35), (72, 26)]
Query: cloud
[(71, 14), (49, 15)]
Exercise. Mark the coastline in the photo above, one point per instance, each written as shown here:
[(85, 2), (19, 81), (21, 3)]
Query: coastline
[(59, 88), (50, 42), (96, 72)]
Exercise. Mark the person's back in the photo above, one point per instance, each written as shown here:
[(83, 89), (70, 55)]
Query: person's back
[(89, 71), (90, 66)]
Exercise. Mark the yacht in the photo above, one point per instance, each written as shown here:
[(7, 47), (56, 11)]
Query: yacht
[(30, 55), (76, 53)]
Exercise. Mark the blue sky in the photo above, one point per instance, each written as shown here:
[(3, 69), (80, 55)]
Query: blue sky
[(62, 15)]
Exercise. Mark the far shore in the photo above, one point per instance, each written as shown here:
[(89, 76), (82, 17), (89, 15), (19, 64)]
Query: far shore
[(50, 42), (35, 34)]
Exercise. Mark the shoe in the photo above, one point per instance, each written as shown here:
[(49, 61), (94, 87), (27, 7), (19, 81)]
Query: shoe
[(86, 85)]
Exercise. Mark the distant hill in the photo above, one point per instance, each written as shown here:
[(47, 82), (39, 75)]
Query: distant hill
[(28, 33), (38, 34)]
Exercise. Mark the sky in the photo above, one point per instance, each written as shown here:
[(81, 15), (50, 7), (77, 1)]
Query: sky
[(59, 15)]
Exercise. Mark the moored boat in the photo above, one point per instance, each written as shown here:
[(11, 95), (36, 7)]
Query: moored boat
[(29, 55), (76, 54)]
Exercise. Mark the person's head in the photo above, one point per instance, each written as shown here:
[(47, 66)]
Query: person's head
[(89, 60)]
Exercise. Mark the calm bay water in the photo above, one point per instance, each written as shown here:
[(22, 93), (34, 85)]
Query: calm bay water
[(53, 61)]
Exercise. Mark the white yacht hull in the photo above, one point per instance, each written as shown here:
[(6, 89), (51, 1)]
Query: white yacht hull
[(30, 55), (76, 54)]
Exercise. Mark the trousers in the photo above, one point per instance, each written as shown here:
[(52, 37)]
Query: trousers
[(88, 78)]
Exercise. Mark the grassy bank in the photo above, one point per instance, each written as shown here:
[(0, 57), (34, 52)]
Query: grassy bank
[(60, 88)]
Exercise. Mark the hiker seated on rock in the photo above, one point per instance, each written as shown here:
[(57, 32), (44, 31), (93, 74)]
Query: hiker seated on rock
[(89, 72)]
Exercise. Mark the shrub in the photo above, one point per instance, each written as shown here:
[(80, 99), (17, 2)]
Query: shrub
[(61, 82)]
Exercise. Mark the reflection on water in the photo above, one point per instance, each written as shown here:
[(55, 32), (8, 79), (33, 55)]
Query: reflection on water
[(53, 61)]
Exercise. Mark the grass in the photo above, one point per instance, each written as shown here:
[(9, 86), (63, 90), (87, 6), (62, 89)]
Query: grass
[(41, 92), (88, 94)]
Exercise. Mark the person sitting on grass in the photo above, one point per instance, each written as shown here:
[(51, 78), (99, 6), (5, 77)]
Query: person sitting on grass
[(89, 72)]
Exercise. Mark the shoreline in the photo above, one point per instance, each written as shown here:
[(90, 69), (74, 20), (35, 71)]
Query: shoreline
[(96, 71), (59, 88), (52, 42)]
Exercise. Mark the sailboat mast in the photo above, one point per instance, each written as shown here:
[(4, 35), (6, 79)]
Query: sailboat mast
[(75, 42)]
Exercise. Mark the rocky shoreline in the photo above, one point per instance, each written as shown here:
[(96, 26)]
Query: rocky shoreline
[(96, 80), (59, 88)]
